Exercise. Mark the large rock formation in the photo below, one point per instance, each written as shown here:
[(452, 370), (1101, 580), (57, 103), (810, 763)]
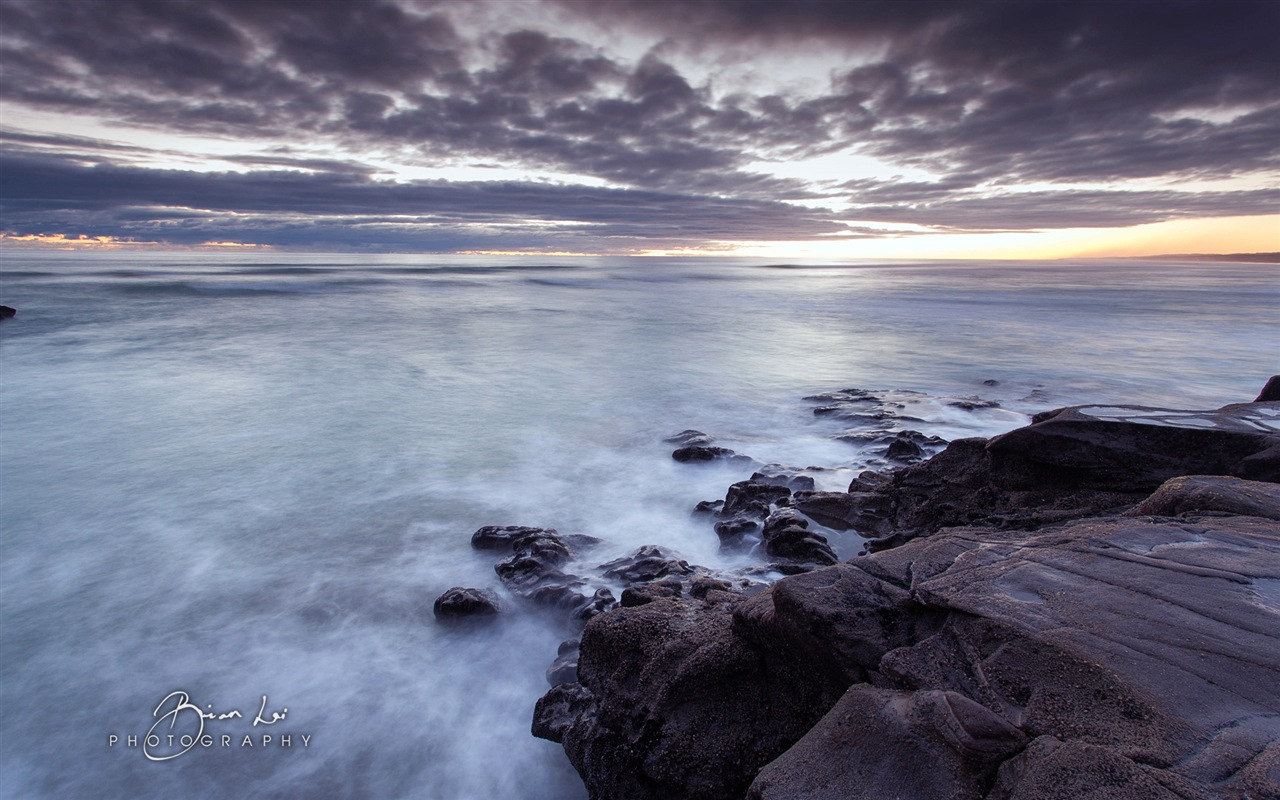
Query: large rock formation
[(1049, 651), (1068, 464)]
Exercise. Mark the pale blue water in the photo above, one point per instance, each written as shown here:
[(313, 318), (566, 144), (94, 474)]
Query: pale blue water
[(251, 474)]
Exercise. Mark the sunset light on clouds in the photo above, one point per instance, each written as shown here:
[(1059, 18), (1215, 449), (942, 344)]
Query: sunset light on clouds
[(982, 129)]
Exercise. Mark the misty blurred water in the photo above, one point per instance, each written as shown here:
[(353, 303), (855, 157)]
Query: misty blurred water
[(248, 475)]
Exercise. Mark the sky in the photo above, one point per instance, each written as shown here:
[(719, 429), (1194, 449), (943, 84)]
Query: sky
[(801, 129)]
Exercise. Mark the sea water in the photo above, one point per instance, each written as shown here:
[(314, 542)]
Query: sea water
[(246, 477)]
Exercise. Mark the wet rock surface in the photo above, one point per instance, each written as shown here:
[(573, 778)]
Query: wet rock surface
[(1086, 607), (461, 603), (697, 453), (1149, 649), (1069, 463)]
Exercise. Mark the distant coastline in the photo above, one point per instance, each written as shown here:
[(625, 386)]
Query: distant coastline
[(1251, 258)]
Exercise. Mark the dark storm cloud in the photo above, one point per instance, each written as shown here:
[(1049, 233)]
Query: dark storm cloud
[(981, 93), (46, 195), (1023, 89)]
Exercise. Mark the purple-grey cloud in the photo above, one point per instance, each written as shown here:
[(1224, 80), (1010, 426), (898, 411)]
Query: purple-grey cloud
[(978, 92)]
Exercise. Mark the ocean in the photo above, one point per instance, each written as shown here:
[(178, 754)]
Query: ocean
[(246, 476)]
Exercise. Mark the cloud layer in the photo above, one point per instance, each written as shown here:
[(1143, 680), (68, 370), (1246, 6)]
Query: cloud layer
[(629, 125)]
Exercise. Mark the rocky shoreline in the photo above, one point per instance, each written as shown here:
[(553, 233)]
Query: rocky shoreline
[(1085, 607)]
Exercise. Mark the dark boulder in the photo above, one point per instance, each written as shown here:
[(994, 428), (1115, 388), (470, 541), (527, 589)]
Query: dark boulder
[(1068, 464), (1269, 394), (1135, 448), (972, 403), (800, 545), (505, 537), (559, 708), (7, 313), (752, 499), (460, 603), (565, 668), (643, 593), (672, 704), (645, 564), (904, 451), (702, 453), (600, 602), (902, 447), (736, 533), (535, 565), (502, 537), (861, 511), (777, 475), (786, 535), (702, 585), (708, 507), (557, 591)]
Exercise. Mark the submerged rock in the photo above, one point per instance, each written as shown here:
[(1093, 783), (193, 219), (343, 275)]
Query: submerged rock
[(461, 603), (565, 668), (689, 438), (645, 564), (786, 534), (705, 453), (503, 537), (778, 475), (752, 499), (972, 403)]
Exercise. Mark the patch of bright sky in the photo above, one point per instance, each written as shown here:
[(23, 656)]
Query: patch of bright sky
[(156, 149), (481, 172), (1265, 179), (1213, 115), (1255, 234), (826, 172)]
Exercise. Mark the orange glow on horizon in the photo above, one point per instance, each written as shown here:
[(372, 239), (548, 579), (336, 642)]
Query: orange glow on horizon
[(63, 241), (71, 242), (522, 253), (1222, 235)]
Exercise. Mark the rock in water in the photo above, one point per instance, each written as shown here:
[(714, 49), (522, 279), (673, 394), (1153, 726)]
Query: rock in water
[(689, 438), (1133, 448), (502, 537), (1069, 463), (704, 453), (7, 313), (461, 603), (1271, 392)]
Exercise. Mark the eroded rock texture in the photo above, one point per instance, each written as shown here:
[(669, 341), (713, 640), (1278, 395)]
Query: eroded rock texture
[(1107, 627), (1130, 652)]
